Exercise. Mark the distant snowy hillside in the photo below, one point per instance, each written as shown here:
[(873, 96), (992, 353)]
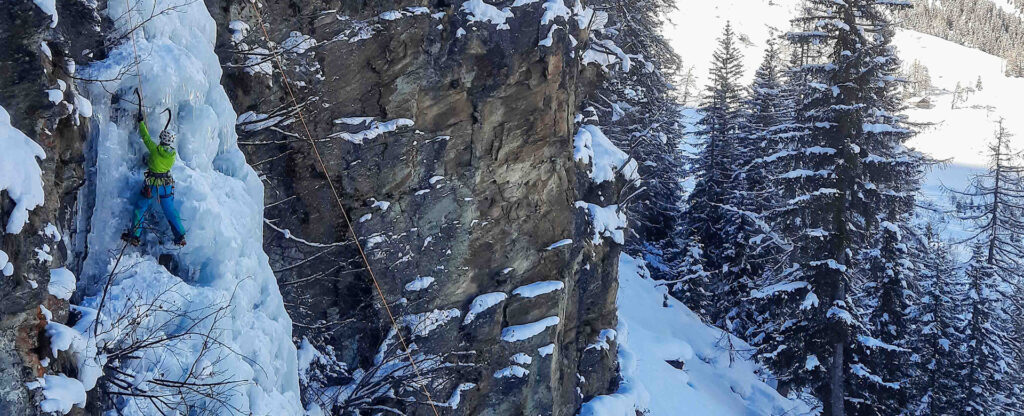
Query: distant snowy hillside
[(958, 136), (961, 134), (1006, 5), (674, 364)]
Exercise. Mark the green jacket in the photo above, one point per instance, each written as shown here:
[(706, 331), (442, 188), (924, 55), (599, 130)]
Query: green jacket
[(161, 158)]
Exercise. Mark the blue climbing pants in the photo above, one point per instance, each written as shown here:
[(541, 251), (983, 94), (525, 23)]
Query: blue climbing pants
[(166, 195)]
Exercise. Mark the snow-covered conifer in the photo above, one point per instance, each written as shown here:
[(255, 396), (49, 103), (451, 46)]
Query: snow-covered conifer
[(850, 182)]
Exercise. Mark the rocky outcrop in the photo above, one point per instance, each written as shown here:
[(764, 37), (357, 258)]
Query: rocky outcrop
[(449, 137), (37, 57), (466, 192)]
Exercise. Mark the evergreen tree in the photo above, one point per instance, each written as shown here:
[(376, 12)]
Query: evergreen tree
[(756, 247), (638, 112), (938, 318), (959, 96), (995, 205), (986, 374), (981, 24), (888, 266), (710, 221), (850, 182)]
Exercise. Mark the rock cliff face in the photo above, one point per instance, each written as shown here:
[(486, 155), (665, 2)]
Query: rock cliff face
[(37, 57), (449, 134), (467, 198)]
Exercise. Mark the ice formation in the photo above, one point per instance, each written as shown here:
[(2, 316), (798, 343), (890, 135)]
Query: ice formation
[(225, 288)]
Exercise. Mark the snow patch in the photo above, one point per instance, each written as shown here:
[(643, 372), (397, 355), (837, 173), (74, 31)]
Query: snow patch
[(559, 243), (60, 393), (20, 174), (478, 11), (650, 334), (513, 371), (373, 130), (482, 303), (422, 324), (591, 146), (419, 283), (608, 222), (539, 288), (49, 7), (521, 359), (526, 331), (62, 283)]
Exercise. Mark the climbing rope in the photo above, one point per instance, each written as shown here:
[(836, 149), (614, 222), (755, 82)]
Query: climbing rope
[(124, 246), (344, 213), (135, 47)]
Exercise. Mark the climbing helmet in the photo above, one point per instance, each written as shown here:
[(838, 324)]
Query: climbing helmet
[(167, 138)]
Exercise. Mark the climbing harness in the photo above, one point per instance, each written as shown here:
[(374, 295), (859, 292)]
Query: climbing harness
[(344, 213), (158, 179)]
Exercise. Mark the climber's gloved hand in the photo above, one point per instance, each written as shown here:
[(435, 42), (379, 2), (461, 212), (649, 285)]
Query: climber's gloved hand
[(138, 117)]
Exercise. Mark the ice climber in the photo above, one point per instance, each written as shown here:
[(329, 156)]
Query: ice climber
[(158, 182)]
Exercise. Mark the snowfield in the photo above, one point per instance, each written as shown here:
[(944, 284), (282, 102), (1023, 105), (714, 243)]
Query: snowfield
[(673, 364), (961, 134)]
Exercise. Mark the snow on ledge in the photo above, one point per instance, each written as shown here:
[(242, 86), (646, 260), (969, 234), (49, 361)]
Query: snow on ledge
[(60, 393), (373, 128), (20, 174), (608, 222), (591, 146), (482, 303), (478, 11), (526, 331), (513, 371), (419, 283), (62, 283), (539, 288)]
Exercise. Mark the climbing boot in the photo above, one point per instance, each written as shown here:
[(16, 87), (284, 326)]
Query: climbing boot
[(131, 239)]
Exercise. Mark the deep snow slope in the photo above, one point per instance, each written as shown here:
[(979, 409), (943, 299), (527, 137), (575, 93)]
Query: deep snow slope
[(674, 364), (220, 317)]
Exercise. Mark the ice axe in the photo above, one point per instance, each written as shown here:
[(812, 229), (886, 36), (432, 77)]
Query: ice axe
[(139, 96), (168, 123)]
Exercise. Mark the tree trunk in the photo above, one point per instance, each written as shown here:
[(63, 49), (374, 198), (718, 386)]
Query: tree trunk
[(837, 393)]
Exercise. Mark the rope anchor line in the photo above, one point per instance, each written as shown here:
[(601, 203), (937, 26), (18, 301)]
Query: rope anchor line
[(344, 212)]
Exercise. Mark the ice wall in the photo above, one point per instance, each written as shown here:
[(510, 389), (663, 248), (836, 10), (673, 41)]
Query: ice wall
[(223, 296)]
